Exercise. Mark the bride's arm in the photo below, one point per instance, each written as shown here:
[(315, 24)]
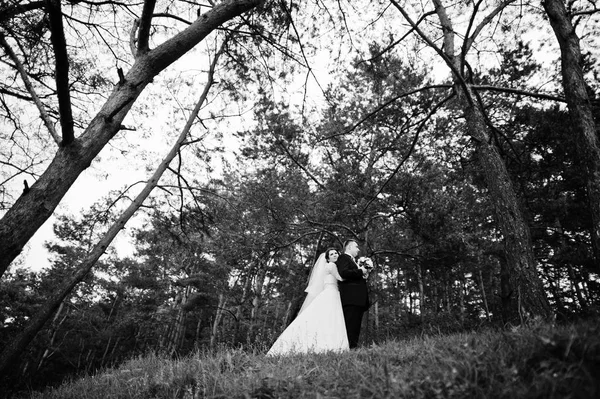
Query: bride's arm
[(334, 271)]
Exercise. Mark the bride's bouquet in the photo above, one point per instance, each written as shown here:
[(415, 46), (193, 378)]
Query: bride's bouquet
[(365, 262)]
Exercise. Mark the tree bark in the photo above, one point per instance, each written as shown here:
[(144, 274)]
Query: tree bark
[(32, 209), (523, 280), (580, 109)]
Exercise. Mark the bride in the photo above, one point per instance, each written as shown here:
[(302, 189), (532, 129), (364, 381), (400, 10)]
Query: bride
[(319, 326)]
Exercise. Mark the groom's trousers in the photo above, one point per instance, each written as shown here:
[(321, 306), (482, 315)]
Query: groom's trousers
[(353, 317)]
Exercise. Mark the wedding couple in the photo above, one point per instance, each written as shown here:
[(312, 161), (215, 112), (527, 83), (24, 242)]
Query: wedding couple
[(331, 315)]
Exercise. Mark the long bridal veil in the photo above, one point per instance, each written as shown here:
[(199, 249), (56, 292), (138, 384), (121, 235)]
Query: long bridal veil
[(316, 281)]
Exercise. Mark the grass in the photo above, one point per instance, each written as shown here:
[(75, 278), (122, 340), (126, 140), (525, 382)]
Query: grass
[(541, 361)]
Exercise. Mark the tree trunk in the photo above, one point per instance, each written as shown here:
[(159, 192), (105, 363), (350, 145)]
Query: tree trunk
[(217, 321), (576, 287), (240, 307), (288, 314), (506, 292), (409, 295), (556, 292), (580, 109), (421, 289), (522, 275), (256, 301), (461, 299), (178, 333), (33, 208), (483, 295), (198, 330), (520, 261), (53, 332)]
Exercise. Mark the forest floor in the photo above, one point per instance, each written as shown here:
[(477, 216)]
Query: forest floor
[(537, 361)]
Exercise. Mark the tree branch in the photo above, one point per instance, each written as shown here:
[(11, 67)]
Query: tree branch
[(395, 43), (464, 49), (586, 12), (145, 22), (470, 40), (520, 92), (171, 16), (410, 150), (447, 40), (384, 105), (61, 72), (304, 169)]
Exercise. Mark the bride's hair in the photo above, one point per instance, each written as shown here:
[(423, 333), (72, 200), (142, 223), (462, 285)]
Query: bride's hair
[(327, 252)]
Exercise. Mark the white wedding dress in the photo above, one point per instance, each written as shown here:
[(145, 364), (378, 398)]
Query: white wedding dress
[(319, 327)]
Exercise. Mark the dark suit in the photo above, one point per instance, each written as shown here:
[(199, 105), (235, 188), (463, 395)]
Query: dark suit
[(354, 296)]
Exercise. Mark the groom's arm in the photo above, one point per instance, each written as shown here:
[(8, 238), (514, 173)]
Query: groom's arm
[(348, 270)]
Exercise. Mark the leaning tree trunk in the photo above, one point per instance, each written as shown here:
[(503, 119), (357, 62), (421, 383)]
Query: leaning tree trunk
[(525, 283), (17, 345), (528, 292), (33, 208), (527, 296), (580, 109)]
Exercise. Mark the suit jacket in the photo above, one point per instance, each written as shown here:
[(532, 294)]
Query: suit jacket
[(353, 289)]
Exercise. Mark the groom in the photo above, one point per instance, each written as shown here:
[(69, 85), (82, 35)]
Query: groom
[(353, 290)]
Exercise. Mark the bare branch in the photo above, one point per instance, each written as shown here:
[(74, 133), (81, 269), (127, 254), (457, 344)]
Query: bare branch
[(520, 92), (469, 40), (38, 103), (132, 38), (304, 169), (310, 70), (15, 94), (61, 72), (145, 25), (410, 150), (467, 33), (586, 12), (382, 106), (449, 42), (175, 17), (395, 43)]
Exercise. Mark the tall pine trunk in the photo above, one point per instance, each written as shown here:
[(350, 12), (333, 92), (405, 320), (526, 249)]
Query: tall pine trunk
[(529, 298), (580, 109), (525, 290)]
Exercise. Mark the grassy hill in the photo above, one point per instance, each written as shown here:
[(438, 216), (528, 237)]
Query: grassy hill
[(538, 361)]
